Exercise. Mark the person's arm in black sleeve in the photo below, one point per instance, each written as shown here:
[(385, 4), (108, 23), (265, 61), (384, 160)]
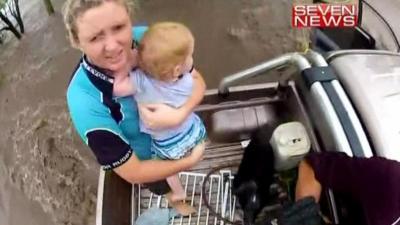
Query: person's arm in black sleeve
[(328, 169), (374, 182), (336, 170), (352, 175)]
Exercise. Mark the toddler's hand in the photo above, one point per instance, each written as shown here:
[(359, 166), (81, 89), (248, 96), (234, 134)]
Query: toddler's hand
[(133, 58)]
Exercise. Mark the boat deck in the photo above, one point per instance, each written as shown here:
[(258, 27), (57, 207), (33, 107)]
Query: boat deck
[(217, 189)]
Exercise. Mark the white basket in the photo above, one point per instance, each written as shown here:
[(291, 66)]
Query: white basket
[(219, 193)]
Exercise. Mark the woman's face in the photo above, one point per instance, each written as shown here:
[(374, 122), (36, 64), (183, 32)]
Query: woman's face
[(104, 35)]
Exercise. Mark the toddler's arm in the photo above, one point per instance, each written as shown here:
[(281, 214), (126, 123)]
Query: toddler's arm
[(199, 88), (157, 116), (123, 87)]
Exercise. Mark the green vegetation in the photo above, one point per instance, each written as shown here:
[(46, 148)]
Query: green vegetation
[(2, 79), (2, 3), (49, 6), (40, 124)]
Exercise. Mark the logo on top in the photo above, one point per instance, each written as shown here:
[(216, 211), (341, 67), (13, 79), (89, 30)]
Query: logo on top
[(324, 15)]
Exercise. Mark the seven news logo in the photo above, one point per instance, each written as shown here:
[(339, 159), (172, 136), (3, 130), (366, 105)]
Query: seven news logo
[(324, 15)]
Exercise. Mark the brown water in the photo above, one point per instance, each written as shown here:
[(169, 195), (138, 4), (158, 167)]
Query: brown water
[(47, 175)]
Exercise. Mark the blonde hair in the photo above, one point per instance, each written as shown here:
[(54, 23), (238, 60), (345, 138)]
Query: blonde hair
[(164, 46), (72, 9)]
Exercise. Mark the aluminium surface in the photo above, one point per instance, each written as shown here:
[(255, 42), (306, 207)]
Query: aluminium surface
[(372, 81)]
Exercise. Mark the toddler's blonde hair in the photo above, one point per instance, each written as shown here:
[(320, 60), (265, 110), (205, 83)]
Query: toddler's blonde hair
[(164, 46)]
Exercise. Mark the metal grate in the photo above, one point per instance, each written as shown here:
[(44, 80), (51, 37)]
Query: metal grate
[(218, 190)]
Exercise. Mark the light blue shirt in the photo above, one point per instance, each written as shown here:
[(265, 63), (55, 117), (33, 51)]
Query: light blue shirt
[(175, 94)]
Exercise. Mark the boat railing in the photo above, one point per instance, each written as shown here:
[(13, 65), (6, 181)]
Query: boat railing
[(295, 58)]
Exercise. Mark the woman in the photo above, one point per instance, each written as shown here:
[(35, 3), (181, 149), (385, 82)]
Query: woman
[(102, 30)]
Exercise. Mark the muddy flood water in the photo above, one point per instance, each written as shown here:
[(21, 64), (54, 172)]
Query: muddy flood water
[(47, 175)]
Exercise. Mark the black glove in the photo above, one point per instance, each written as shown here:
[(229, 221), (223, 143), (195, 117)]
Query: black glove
[(303, 212)]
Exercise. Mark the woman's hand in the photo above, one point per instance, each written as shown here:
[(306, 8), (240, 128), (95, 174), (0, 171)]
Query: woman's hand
[(159, 116)]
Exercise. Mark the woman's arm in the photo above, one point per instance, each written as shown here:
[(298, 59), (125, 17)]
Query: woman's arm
[(135, 171), (158, 116)]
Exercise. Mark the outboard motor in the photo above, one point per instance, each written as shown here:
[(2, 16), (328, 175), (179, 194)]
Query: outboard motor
[(252, 183)]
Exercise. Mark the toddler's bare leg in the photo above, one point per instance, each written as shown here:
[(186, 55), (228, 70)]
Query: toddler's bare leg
[(177, 196), (178, 193), (181, 207)]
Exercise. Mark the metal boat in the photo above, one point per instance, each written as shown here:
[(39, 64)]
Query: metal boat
[(348, 100)]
